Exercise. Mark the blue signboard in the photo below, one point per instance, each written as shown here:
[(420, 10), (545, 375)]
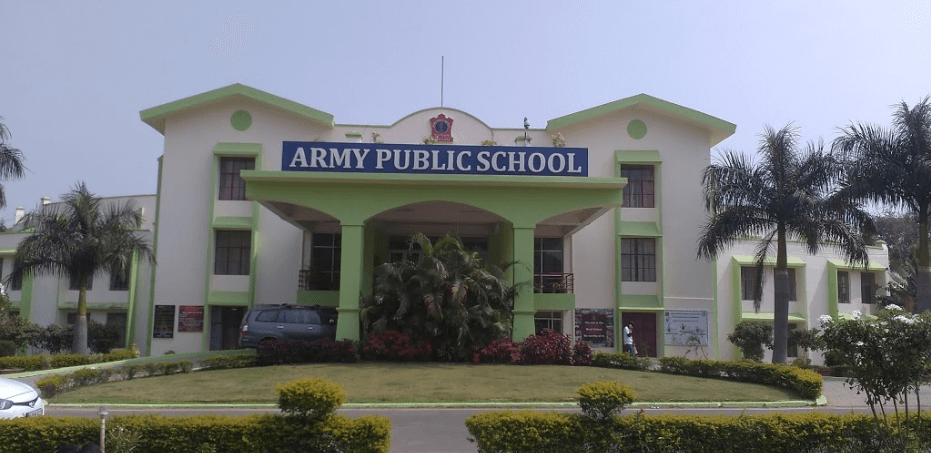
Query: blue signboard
[(433, 159)]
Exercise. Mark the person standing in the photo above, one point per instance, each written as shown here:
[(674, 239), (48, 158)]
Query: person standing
[(629, 339)]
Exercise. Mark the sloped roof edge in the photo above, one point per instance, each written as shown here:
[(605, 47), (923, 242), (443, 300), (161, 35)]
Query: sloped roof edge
[(155, 116), (719, 128)]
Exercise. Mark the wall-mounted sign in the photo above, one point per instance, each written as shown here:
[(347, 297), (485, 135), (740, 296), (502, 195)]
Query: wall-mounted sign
[(433, 159), (596, 326), (164, 321), (441, 128), (191, 318), (686, 327)]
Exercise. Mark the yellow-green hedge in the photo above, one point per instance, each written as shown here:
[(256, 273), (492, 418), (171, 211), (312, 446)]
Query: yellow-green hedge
[(253, 433), (807, 383), (542, 432)]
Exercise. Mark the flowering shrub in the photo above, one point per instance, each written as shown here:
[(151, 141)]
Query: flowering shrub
[(499, 351), (582, 354), (395, 346), (548, 348)]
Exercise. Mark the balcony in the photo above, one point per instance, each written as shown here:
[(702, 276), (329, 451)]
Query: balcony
[(554, 283)]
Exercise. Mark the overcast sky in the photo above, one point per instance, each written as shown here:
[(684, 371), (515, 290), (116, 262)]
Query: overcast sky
[(75, 74)]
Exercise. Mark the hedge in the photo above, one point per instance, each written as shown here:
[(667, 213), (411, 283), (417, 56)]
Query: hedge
[(541, 432), (38, 362), (806, 383), (260, 433)]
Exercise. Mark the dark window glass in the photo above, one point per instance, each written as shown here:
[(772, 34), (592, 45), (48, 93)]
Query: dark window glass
[(74, 286), (638, 193), (547, 255), (119, 281), (792, 285), (868, 287), (638, 260), (232, 186), (747, 282), (232, 252), (325, 252), (547, 320), (843, 287), (267, 316)]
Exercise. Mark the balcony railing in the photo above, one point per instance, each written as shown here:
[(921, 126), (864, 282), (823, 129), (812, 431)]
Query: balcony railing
[(312, 280), (554, 283)]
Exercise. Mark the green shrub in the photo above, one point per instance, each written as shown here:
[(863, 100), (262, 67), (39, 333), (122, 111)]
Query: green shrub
[(256, 433), (28, 363), (88, 376), (601, 399), (52, 385), (185, 366), (151, 369), (68, 360), (310, 397), (167, 368), (620, 360), (117, 355), (222, 362), (806, 383), (130, 371), (7, 348), (751, 337)]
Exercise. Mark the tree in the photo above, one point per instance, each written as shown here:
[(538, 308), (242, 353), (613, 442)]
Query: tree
[(78, 239), (449, 297), (893, 166), (11, 161), (786, 195)]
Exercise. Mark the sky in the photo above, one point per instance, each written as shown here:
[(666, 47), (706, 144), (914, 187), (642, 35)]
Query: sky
[(74, 75)]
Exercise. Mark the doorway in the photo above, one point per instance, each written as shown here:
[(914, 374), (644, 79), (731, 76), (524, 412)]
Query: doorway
[(644, 331), (224, 327)]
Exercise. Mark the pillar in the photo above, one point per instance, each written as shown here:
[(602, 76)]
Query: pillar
[(350, 281), (523, 277)]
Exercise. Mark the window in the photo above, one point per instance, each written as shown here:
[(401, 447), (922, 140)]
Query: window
[(868, 287), (119, 281), (547, 320), (16, 284), (325, 252), (792, 292), (232, 254), (638, 260), (232, 186), (638, 193), (74, 286), (547, 255), (747, 282), (843, 287), (118, 320)]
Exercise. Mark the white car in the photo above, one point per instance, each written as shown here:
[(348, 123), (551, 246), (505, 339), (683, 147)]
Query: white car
[(19, 400)]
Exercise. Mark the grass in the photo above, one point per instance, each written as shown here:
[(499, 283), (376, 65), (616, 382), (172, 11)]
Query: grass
[(419, 383)]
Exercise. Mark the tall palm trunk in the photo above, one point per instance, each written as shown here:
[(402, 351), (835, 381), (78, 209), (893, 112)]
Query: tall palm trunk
[(923, 276), (79, 342), (781, 311)]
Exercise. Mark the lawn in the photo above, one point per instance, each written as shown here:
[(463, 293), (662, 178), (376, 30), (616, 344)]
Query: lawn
[(419, 383)]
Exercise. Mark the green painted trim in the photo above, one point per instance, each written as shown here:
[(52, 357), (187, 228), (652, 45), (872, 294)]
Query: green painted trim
[(632, 156), (237, 149), (25, 297), (736, 296), (211, 237), (640, 229), (155, 116), (521, 138), (745, 260), (134, 278), (723, 128), (618, 284), (158, 205), (714, 309), (524, 306), (840, 264), (322, 298), (768, 316), (559, 302), (641, 302), (353, 135), (256, 246), (233, 223), (236, 298), (636, 129), (241, 120), (350, 281), (8, 251), (109, 306), (407, 179)]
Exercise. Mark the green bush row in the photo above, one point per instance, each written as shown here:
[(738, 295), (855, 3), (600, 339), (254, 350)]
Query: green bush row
[(53, 385), (806, 383), (38, 362), (542, 432), (620, 360), (224, 362), (265, 433)]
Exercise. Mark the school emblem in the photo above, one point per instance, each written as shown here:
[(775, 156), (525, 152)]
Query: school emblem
[(441, 128)]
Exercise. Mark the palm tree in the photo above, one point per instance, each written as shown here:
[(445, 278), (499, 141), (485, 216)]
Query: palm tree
[(785, 195), (11, 161), (449, 297), (79, 239), (893, 166)]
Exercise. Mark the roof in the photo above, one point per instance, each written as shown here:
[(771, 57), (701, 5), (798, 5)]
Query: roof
[(718, 128), (156, 116)]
